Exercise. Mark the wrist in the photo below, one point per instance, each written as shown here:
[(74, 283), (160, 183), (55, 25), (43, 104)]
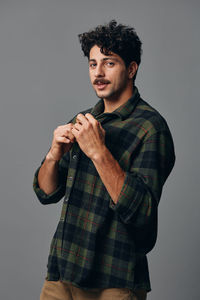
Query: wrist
[(50, 157), (100, 155)]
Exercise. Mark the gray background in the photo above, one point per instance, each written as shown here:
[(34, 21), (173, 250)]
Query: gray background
[(44, 81)]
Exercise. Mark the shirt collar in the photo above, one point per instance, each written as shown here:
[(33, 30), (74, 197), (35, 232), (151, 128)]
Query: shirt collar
[(122, 111)]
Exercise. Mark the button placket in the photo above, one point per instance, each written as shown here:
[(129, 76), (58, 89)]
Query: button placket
[(75, 154), (69, 184)]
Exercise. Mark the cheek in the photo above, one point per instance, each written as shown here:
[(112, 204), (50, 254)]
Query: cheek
[(123, 77), (118, 77)]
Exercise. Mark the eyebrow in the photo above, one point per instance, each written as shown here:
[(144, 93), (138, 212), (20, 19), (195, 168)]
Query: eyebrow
[(104, 59)]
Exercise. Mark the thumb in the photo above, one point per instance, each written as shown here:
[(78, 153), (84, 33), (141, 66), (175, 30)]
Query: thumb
[(102, 129)]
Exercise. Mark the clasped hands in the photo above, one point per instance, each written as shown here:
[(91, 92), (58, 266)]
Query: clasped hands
[(88, 133)]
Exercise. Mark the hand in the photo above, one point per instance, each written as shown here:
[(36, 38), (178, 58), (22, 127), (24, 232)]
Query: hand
[(89, 134), (62, 141)]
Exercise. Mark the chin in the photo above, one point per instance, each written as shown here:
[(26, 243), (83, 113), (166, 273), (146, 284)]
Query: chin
[(103, 94), (100, 94)]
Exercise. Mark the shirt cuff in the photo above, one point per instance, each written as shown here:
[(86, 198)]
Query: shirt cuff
[(44, 198), (131, 196)]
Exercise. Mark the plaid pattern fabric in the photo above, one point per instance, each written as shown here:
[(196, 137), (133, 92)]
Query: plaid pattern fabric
[(99, 244)]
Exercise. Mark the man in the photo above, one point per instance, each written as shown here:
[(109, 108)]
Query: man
[(110, 163)]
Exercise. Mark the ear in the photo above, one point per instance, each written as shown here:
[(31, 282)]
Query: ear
[(132, 69)]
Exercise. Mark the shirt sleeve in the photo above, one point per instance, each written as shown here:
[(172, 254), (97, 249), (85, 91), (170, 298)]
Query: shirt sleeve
[(62, 176), (141, 191)]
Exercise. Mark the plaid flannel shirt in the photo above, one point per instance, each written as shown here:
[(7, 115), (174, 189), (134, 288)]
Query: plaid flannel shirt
[(99, 244)]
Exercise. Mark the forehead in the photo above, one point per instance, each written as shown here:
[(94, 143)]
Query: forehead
[(95, 53)]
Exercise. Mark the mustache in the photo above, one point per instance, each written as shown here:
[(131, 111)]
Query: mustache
[(101, 80)]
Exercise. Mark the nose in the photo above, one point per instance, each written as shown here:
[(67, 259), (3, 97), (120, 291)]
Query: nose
[(99, 72)]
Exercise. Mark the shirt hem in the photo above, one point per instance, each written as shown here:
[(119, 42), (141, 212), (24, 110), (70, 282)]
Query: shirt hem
[(147, 288)]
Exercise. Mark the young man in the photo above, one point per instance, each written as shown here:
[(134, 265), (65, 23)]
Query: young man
[(110, 163)]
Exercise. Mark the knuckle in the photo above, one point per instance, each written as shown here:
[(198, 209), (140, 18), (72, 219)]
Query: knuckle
[(55, 131), (65, 133)]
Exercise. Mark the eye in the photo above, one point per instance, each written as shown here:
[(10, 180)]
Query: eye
[(92, 65), (109, 63)]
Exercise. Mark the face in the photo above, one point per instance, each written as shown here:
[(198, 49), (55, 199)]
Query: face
[(108, 74)]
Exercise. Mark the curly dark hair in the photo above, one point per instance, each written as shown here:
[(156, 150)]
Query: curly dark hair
[(120, 39)]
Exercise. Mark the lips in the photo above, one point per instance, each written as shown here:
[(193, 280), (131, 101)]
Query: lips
[(101, 84)]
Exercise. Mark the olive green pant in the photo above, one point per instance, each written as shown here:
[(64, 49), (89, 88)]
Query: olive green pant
[(57, 290)]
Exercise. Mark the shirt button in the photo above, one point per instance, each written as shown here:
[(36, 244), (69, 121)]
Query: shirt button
[(66, 199), (74, 156)]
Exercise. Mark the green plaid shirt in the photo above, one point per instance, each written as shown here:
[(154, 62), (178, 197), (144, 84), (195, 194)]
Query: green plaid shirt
[(99, 244)]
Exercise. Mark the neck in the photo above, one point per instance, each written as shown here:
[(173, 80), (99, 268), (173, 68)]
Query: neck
[(116, 101)]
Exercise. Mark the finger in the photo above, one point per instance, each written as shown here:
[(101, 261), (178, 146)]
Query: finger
[(63, 131), (62, 139), (75, 132), (65, 126), (69, 134), (80, 118), (92, 120), (78, 126), (88, 115), (101, 126), (65, 135)]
